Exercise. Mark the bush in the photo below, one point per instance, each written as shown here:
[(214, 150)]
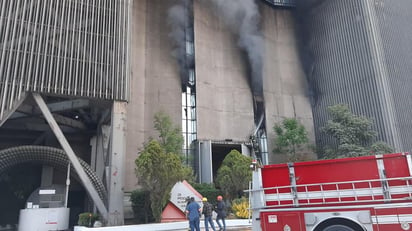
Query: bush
[(234, 174), (208, 190), (141, 206), (240, 207), (87, 219)]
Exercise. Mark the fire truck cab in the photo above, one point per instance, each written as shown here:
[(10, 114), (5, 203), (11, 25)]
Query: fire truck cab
[(369, 193)]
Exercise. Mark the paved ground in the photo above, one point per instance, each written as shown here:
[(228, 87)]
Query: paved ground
[(238, 228), (229, 228), (231, 224)]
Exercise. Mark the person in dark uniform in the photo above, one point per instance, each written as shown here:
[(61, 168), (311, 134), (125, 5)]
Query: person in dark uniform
[(221, 213), (208, 212)]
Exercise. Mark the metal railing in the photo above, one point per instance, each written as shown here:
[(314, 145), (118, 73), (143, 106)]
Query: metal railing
[(335, 193)]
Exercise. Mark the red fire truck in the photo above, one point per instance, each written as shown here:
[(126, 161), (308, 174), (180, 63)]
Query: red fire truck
[(352, 194)]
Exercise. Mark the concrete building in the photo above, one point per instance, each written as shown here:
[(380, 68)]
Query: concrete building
[(358, 53), (87, 78)]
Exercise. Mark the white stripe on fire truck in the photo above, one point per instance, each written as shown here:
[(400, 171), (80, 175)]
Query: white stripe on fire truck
[(391, 219), (275, 208), (343, 193)]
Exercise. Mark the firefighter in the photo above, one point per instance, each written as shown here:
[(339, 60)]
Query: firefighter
[(208, 212), (221, 213)]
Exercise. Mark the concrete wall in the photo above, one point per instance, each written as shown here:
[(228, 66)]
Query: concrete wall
[(285, 84), (135, 107), (155, 80), (162, 79), (224, 101)]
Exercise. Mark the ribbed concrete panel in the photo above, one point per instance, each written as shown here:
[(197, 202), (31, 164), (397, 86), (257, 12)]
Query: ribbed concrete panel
[(394, 19), (66, 47), (343, 67), (362, 57)]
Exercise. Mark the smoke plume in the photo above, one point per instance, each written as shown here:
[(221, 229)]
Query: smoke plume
[(179, 22), (242, 17)]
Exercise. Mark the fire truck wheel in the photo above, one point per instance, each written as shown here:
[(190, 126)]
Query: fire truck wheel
[(338, 228), (338, 224)]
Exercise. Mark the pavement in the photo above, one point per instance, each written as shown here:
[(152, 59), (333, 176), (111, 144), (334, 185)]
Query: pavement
[(231, 224)]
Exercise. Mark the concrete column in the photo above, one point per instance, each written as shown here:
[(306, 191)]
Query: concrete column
[(116, 167), (205, 162)]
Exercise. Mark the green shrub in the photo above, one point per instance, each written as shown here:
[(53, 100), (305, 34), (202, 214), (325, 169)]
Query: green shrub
[(141, 206), (208, 190), (87, 219), (240, 207)]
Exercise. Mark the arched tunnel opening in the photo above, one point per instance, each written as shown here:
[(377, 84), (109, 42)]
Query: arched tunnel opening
[(16, 185), (21, 173)]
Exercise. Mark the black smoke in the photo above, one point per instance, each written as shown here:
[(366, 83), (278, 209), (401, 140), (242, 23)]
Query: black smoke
[(242, 18), (302, 15), (180, 22)]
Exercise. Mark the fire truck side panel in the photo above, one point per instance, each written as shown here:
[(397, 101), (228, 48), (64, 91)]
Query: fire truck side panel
[(394, 169), (372, 192), (336, 171), (282, 221), (382, 219), (392, 218), (276, 176), (395, 166), (309, 220)]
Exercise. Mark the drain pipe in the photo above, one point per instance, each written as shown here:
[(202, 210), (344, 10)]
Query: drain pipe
[(67, 185)]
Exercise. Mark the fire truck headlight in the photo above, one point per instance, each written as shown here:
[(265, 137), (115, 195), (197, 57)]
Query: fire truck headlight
[(253, 165), (405, 226)]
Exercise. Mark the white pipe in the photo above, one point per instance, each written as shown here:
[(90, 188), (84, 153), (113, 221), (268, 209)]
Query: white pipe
[(67, 185)]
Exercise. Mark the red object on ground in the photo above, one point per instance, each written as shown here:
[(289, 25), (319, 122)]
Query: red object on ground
[(172, 213)]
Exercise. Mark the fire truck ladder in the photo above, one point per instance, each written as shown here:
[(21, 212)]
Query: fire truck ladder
[(346, 192)]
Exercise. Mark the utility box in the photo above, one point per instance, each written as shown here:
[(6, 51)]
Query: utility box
[(45, 210), (41, 219)]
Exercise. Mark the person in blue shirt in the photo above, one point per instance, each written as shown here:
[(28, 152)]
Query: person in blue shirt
[(193, 214)]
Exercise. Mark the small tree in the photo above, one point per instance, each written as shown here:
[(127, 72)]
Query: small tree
[(234, 174), (170, 136), (354, 134), (171, 140), (159, 166), (158, 172), (291, 136)]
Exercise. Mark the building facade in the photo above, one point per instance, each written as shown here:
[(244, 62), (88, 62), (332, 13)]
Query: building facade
[(87, 77)]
